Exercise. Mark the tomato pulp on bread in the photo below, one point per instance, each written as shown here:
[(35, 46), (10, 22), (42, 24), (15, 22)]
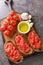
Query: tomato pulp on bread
[(22, 45), (12, 52), (34, 40)]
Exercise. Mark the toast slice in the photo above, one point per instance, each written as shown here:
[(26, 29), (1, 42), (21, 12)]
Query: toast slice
[(30, 49), (8, 55), (41, 43)]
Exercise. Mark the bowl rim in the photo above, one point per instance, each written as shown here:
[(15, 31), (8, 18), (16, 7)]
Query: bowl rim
[(26, 23)]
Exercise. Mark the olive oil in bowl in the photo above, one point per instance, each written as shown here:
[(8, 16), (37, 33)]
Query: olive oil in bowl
[(23, 27)]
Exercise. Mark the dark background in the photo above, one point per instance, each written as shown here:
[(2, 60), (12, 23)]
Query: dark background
[(35, 7)]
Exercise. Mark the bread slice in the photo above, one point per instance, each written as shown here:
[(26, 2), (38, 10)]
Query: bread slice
[(30, 51), (19, 61), (41, 47)]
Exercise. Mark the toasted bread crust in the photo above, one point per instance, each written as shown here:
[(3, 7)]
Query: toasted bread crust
[(21, 59), (41, 47)]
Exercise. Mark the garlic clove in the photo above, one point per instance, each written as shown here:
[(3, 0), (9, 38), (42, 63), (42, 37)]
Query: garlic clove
[(31, 25), (29, 21), (29, 17), (24, 16)]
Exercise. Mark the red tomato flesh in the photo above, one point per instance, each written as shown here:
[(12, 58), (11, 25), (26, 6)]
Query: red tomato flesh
[(12, 52), (7, 33), (22, 45), (34, 40)]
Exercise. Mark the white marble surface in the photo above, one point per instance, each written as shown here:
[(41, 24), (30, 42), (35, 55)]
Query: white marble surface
[(4, 10), (19, 6)]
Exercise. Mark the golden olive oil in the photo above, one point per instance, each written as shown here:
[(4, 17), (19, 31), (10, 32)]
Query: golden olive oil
[(23, 27)]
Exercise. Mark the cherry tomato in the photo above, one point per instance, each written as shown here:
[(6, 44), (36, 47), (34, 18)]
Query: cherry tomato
[(6, 23), (13, 23), (3, 28), (16, 18), (9, 18), (10, 28), (7, 33), (12, 13)]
